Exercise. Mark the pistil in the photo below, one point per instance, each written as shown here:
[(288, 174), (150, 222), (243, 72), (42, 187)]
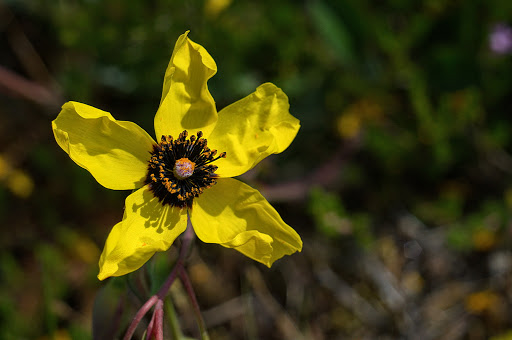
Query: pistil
[(180, 169)]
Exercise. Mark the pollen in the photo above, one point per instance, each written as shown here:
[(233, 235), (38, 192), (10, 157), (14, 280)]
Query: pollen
[(180, 169), (183, 168)]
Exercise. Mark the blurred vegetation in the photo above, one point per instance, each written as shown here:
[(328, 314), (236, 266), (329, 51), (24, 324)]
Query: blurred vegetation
[(399, 181)]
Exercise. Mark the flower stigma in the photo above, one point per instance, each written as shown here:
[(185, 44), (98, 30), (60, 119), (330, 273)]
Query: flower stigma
[(183, 168), (180, 169)]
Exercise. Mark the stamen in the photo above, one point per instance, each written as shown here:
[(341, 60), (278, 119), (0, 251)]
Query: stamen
[(179, 169)]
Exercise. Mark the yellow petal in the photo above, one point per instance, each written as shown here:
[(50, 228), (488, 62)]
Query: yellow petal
[(115, 152), (253, 128), (147, 227), (237, 216), (186, 103)]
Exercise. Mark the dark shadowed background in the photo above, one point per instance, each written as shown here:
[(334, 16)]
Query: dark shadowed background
[(399, 181)]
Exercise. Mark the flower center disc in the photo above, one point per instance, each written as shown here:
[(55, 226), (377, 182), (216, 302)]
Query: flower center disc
[(180, 169), (183, 168)]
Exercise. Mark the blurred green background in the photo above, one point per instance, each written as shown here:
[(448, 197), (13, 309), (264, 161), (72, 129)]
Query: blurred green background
[(399, 181)]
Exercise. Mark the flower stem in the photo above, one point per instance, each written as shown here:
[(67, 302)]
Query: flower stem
[(195, 305), (159, 315), (138, 317), (188, 236), (158, 298), (151, 325)]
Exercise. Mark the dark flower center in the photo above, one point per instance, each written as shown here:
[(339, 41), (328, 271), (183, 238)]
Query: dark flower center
[(180, 169)]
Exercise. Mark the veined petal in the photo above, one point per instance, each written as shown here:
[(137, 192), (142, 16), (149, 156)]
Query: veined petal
[(237, 216), (253, 128), (115, 152), (186, 103), (147, 227)]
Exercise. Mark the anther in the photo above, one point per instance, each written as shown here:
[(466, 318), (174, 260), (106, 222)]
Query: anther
[(180, 169)]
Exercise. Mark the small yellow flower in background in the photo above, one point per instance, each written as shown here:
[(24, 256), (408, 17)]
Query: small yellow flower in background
[(61, 334), (481, 301), (182, 173), (354, 118), (349, 125), (5, 168), (20, 183), (484, 239), (214, 7), (507, 196), (79, 245), (504, 336), (16, 180)]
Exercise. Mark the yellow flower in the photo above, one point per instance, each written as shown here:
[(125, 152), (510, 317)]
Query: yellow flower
[(180, 176)]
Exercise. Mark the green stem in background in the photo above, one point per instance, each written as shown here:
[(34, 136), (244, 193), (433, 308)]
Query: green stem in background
[(398, 50), (50, 319), (172, 320)]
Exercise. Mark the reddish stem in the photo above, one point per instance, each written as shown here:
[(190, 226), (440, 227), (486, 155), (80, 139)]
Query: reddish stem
[(138, 317), (149, 330), (193, 300), (158, 298), (159, 316)]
